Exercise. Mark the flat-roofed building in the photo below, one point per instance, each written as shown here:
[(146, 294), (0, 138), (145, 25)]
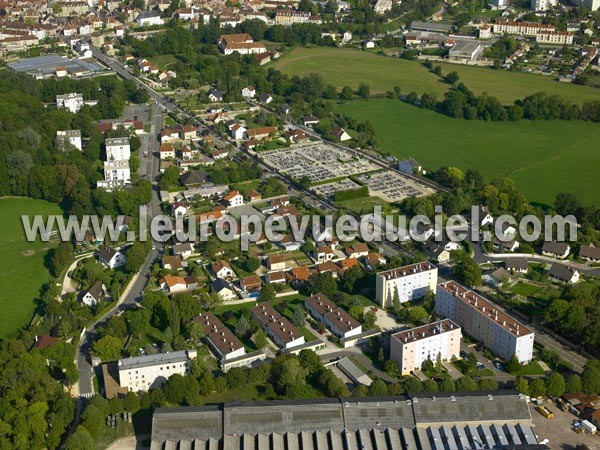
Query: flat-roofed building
[(117, 149), (409, 282), (521, 28), (142, 373), (484, 321), (337, 319), (411, 348), (278, 328), (68, 139)]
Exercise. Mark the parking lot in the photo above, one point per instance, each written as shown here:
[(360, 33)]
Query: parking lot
[(393, 186), (318, 161), (558, 430), (329, 189)]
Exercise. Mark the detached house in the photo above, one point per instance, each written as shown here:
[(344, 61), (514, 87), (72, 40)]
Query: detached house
[(222, 269), (517, 265), (94, 294), (357, 250), (555, 249), (214, 95), (111, 258), (564, 274), (340, 134), (234, 198), (183, 250), (223, 289), (590, 253), (249, 92)]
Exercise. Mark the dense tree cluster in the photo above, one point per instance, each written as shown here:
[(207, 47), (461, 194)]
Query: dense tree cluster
[(30, 163)]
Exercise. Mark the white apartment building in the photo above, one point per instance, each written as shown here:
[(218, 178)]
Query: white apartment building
[(521, 28), (73, 102), (411, 348), (67, 138), (142, 373), (116, 174), (484, 321), (117, 149), (289, 17), (410, 282), (543, 5), (554, 37), (149, 18)]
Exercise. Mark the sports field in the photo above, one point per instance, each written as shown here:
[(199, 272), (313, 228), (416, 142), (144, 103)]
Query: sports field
[(543, 157), (22, 270), (342, 67)]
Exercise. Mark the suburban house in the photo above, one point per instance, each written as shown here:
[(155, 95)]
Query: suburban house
[(222, 269), (342, 324), (111, 258), (298, 276), (254, 195), (249, 92), (265, 98), (374, 260), (179, 208), (505, 246), (555, 249), (590, 253), (485, 218), (286, 109), (324, 253), (172, 262), (309, 121), (183, 250), (260, 134), (94, 294), (278, 328), (214, 95), (251, 284), (410, 167), (340, 134), (193, 178), (223, 289), (174, 284), (437, 252), (516, 265), (237, 131), (188, 132), (497, 278), (234, 198), (564, 274), (289, 244), (276, 262), (276, 277), (358, 250)]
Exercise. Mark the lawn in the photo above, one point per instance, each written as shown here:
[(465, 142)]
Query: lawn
[(524, 289), (22, 270), (533, 368), (543, 157), (382, 73)]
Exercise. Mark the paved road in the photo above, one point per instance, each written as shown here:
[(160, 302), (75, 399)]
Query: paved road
[(134, 289)]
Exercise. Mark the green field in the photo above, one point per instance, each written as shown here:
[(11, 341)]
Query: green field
[(22, 271), (342, 67), (543, 157)]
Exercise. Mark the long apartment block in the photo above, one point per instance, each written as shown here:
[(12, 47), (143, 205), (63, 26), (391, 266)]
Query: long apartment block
[(484, 321)]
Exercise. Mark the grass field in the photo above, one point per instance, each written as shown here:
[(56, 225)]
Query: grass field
[(543, 157), (342, 67), (22, 271)]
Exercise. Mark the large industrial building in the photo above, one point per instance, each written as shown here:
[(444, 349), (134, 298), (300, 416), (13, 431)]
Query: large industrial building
[(411, 348), (484, 321), (408, 283), (440, 421)]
